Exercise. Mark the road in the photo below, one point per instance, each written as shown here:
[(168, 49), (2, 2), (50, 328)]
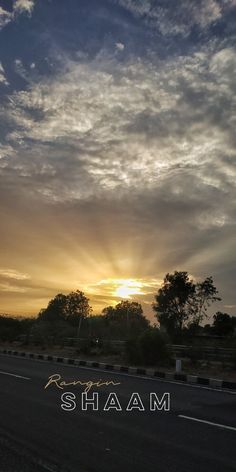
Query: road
[(198, 433)]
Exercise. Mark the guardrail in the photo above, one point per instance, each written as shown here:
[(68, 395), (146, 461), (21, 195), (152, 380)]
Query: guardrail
[(204, 352), (198, 351)]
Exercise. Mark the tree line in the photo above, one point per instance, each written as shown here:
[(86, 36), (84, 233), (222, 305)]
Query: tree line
[(180, 305)]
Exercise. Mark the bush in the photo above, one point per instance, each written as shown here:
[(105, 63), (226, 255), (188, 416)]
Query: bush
[(195, 354), (132, 351), (150, 348), (45, 333), (84, 346), (233, 358)]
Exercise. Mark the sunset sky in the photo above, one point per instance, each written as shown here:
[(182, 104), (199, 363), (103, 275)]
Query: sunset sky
[(117, 148)]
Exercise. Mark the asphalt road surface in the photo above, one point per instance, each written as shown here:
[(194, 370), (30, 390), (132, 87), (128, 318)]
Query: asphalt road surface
[(37, 435)]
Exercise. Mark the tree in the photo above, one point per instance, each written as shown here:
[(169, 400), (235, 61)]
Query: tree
[(63, 314), (205, 294), (172, 301), (180, 301), (125, 316), (10, 327), (224, 324), (78, 307), (56, 309), (119, 312), (71, 308)]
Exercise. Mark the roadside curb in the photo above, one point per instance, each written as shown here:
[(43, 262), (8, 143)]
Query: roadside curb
[(185, 378)]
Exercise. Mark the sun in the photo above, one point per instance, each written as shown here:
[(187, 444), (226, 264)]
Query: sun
[(127, 288), (124, 292)]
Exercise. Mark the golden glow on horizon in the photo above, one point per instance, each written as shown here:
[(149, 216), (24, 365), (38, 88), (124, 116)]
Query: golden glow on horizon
[(61, 276), (128, 287)]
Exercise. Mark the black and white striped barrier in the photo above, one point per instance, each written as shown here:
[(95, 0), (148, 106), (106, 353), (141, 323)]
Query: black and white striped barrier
[(180, 377)]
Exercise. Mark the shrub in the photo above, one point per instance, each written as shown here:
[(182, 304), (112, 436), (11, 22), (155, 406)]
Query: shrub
[(132, 351), (233, 358), (150, 348), (195, 354)]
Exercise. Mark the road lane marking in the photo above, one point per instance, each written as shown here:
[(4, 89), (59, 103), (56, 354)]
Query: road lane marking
[(232, 428), (14, 375)]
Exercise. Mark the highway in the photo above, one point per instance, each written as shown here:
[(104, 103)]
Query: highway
[(37, 435)]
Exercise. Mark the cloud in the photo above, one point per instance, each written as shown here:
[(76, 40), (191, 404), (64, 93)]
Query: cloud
[(19, 7), (223, 65), (5, 17), (3, 79), (24, 6), (146, 162), (13, 281), (120, 46), (11, 288), (149, 120), (13, 274), (104, 291), (171, 20), (5, 152)]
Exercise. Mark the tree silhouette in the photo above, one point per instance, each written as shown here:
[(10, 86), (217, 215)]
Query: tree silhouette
[(71, 308), (126, 316), (56, 309), (180, 301), (224, 324), (78, 307)]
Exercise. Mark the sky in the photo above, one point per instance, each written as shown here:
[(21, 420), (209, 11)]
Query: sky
[(117, 149)]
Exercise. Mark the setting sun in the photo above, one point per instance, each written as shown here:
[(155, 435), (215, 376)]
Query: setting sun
[(127, 288)]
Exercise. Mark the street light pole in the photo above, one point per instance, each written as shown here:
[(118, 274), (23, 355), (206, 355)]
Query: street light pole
[(78, 329)]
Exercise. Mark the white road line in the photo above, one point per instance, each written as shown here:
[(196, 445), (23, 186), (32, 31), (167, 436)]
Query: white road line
[(14, 375), (232, 428)]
